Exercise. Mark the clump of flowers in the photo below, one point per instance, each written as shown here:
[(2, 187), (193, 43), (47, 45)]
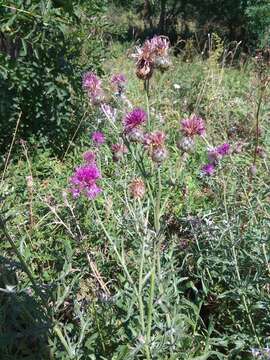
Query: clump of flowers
[(89, 157), (132, 122), (84, 181), (193, 126), (118, 82), (98, 138), (92, 85), (155, 144), (118, 151), (137, 188)]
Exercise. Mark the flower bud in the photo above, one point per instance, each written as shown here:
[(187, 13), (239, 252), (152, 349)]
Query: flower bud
[(159, 154), (186, 144)]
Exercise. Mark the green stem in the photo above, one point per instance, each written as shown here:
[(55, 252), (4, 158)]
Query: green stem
[(257, 125), (157, 205)]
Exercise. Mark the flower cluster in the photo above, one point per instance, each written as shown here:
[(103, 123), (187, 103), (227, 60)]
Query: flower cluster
[(92, 85), (153, 53), (214, 156), (84, 181)]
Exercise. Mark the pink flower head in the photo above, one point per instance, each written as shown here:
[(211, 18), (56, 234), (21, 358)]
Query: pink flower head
[(92, 84), (89, 157), (160, 45), (208, 169), (98, 138), (155, 139), (193, 126), (84, 180), (134, 119)]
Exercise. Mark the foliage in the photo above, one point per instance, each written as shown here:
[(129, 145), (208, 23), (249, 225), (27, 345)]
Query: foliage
[(181, 273), (40, 81)]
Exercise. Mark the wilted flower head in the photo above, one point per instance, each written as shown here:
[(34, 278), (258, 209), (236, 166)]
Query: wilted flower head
[(193, 126), (98, 138), (208, 169), (134, 119), (118, 81), (92, 84), (153, 53), (84, 181), (137, 188), (118, 150), (89, 157), (145, 60)]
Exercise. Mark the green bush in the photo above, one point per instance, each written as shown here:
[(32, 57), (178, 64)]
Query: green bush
[(40, 75)]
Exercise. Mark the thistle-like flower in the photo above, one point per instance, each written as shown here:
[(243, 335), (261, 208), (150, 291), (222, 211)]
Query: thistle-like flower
[(193, 126), (217, 153), (134, 119), (98, 138), (208, 169), (84, 181), (89, 157), (155, 144), (137, 188), (92, 85)]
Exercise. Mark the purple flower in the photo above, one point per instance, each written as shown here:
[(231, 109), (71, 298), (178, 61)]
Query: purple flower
[(89, 157), (84, 180), (92, 84), (98, 138), (208, 169), (215, 154), (134, 119), (193, 126), (223, 149)]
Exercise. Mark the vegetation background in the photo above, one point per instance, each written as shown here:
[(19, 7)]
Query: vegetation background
[(84, 281)]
